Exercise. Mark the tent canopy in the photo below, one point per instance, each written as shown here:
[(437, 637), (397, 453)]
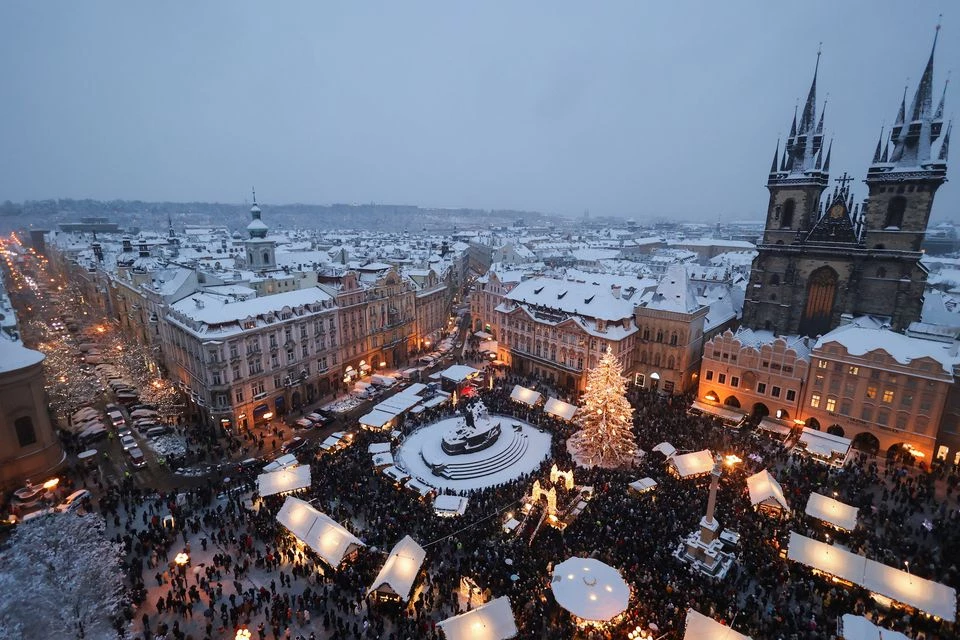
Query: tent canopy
[(560, 408), (524, 395), (724, 413), (445, 505), (590, 589), (490, 621), (376, 419), (666, 449), (459, 373), (823, 445), (701, 627), (764, 489), (859, 628), (925, 595), (643, 484), (840, 515), (697, 463), (328, 538), (400, 570), (488, 346), (284, 480)]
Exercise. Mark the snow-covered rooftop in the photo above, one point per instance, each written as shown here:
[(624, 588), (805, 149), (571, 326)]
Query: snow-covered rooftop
[(859, 341)]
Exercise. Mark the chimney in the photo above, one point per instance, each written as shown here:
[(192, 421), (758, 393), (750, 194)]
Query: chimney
[(615, 291)]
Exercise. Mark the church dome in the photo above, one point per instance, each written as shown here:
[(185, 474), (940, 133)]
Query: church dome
[(257, 228)]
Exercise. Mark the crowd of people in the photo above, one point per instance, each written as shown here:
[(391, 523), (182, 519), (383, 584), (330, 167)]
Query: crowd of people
[(246, 569)]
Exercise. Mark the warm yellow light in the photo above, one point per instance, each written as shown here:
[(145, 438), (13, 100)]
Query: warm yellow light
[(243, 634), (51, 483), (732, 459), (268, 415), (181, 558)]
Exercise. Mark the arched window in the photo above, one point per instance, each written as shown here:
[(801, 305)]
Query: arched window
[(266, 257), (673, 340), (895, 209), (646, 333), (786, 213), (26, 434), (775, 279), (659, 336), (821, 296), (250, 257), (670, 362)]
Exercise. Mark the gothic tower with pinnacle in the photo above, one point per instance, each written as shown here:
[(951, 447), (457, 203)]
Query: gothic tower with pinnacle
[(823, 258)]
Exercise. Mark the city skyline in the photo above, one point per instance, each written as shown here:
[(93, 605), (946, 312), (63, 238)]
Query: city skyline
[(447, 107)]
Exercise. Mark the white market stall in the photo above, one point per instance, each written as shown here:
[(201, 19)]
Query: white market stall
[(458, 373), (421, 488), (560, 409), (766, 494), (725, 414), (490, 621), (701, 627), (449, 506), (327, 537), (379, 447), (833, 512), (642, 485), (526, 396), (377, 420), (399, 572), (899, 586), (589, 589), (382, 459), (824, 447), (667, 449), (691, 465), (395, 473), (488, 346), (284, 480), (859, 628)]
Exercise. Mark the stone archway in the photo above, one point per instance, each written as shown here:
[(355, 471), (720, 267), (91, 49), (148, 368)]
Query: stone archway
[(866, 442), (821, 297), (760, 410), (711, 396), (812, 423), (835, 430), (732, 401)]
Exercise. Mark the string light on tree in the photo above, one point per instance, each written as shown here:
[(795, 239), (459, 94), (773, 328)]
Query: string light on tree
[(606, 419)]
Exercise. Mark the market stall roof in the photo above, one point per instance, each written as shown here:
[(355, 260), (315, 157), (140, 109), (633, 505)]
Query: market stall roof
[(643, 484), (692, 464), (289, 479), (764, 489), (524, 395), (927, 596), (379, 447), (331, 442), (420, 487), (445, 505), (398, 403), (590, 589), (382, 459), (824, 508), (435, 401), (328, 538), (400, 570), (824, 445), (488, 346), (666, 449), (490, 621), (560, 408), (859, 628), (395, 473), (723, 413), (767, 424), (459, 372), (376, 419), (483, 335), (701, 627)]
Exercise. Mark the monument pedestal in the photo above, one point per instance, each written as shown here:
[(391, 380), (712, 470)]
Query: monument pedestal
[(703, 550)]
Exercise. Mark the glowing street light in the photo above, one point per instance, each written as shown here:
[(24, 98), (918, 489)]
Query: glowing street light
[(51, 483), (732, 459), (243, 634), (181, 559)]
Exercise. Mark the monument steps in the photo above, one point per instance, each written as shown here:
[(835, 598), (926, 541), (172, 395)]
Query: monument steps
[(479, 468)]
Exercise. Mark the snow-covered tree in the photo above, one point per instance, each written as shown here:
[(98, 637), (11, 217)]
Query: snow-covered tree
[(606, 437), (60, 578)]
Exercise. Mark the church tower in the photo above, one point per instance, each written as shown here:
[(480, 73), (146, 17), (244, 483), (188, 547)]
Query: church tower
[(821, 261), (261, 251)]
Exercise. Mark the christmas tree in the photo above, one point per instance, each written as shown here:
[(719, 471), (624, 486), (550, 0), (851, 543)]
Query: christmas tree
[(606, 419)]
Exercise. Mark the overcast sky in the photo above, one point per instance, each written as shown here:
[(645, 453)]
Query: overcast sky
[(623, 108)]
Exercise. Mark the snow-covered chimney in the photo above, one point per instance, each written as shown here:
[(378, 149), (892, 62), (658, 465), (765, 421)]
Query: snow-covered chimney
[(615, 290)]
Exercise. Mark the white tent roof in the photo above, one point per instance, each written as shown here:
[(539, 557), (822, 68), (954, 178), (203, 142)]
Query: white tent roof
[(284, 461), (524, 395), (488, 346), (666, 449), (483, 335), (446, 505), (420, 487), (859, 628), (701, 627), (823, 444), (328, 538), (490, 621), (379, 447), (382, 459), (925, 595), (400, 570), (643, 484), (590, 589), (289, 479), (459, 372), (560, 408), (773, 426), (764, 488), (693, 464), (377, 419), (723, 413), (395, 473), (840, 515)]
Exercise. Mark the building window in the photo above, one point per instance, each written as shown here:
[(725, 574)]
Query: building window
[(238, 394), (277, 383), (818, 380), (901, 421), (888, 396), (831, 404), (786, 213), (709, 374), (791, 395), (871, 392), (815, 400), (895, 210), (821, 364), (734, 381), (845, 407), (775, 392), (761, 388), (258, 388), (722, 378), (26, 434), (883, 417), (866, 414)]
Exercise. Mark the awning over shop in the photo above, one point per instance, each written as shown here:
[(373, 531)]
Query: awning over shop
[(400, 571), (689, 465), (376, 419), (831, 511), (774, 427), (927, 596), (701, 627), (483, 335), (328, 538), (490, 621), (824, 446), (524, 395), (560, 408), (725, 414), (289, 479), (765, 491)]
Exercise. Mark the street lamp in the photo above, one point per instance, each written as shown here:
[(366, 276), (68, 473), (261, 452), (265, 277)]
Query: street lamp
[(243, 634), (181, 559)]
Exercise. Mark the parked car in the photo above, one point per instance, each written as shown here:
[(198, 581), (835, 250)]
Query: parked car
[(136, 457), (293, 444), (157, 431), (128, 442), (73, 501), (117, 419), (283, 462)]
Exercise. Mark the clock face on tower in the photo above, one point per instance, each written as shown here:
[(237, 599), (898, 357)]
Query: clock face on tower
[(837, 211)]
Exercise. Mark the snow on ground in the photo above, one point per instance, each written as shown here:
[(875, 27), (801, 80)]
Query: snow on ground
[(344, 404), (168, 445), (426, 441)]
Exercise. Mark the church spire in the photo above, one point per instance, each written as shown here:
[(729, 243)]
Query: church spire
[(776, 154), (945, 145), (810, 107), (876, 154), (826, 162), (923, 99)]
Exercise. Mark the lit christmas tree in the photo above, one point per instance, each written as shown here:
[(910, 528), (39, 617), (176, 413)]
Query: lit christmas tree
[(606, 419)]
